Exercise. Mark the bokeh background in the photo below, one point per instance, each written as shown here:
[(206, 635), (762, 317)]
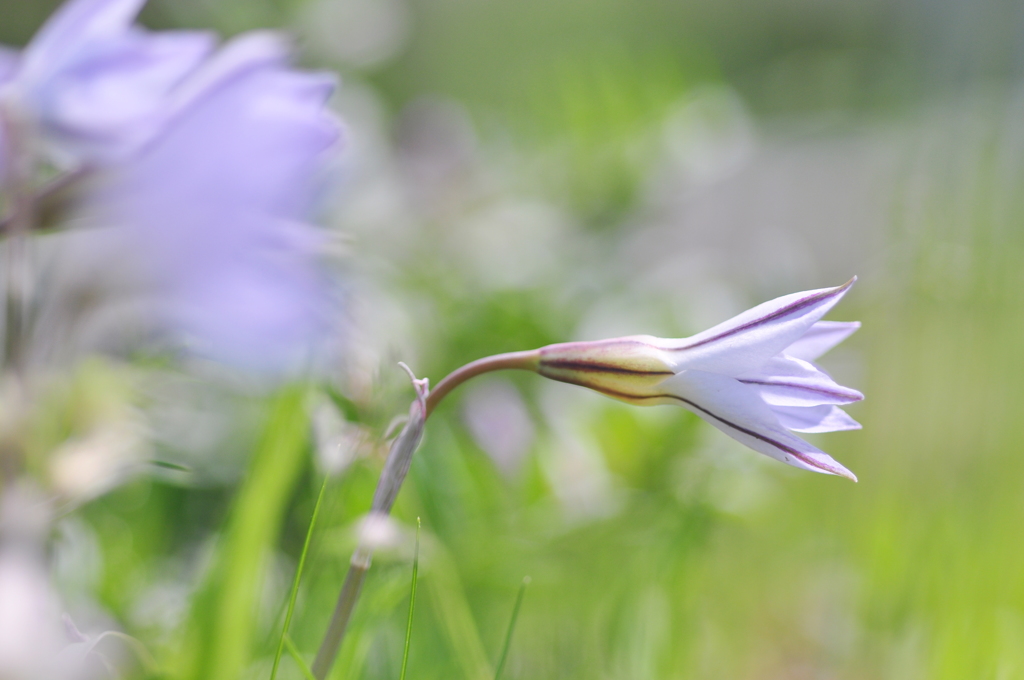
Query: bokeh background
[(521, 172)]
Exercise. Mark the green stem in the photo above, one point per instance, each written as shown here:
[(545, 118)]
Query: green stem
[(511, 628), (391, 478), (412, 601), (293, 650), (295, 581), (342, 613)]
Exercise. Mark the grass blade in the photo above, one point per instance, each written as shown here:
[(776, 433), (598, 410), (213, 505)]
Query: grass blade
[(287, 640), (511, 628), (222, 627), (295, 582), (412, 600)]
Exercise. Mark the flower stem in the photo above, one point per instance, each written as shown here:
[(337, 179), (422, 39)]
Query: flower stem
[(342, 613), (391, 478), (527, 361), (18, 194)]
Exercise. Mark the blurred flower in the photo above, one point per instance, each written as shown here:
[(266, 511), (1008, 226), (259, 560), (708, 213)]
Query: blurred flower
[(378, 531), (500, 424), (92, 84), (30, 633), (82, 659), (203, 166), (81, 469), (338, 443), (211, 213), (750, 377)]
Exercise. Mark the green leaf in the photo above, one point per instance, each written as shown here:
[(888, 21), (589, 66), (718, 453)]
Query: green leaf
[(224, 611)]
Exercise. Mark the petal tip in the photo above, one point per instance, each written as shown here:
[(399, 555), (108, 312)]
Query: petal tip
[(846, 286), (835, 468), (829, 466)]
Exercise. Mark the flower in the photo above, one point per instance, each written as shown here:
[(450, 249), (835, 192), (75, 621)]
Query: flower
[(30, 632), (751, 377), (91, 84), (210, 217), (203, 166)]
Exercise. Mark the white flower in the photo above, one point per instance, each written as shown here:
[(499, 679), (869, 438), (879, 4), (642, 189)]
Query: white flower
[(750, 377), (30, 632)]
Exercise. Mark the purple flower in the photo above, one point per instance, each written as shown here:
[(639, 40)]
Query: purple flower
[(203, 165), (91, 85), (214, 209), (750, 377)]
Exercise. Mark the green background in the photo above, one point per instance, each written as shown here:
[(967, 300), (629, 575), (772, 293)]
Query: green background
[(525, 172)]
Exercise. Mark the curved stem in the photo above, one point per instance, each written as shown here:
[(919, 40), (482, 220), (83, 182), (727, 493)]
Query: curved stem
[(391, 478), (528, 360)]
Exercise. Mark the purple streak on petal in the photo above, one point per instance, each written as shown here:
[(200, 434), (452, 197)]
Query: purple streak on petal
[(767, 312), (823, 418), (737, 410), (786, 381), (782, 393), (742, 344), (820, 338)]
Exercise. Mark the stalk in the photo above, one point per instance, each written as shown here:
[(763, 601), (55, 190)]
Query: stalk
[(18, 194), (395, 469), (347, 599), (526, 361)]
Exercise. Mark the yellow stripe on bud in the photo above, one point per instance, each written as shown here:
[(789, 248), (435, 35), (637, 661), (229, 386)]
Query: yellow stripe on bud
[(629, 369)]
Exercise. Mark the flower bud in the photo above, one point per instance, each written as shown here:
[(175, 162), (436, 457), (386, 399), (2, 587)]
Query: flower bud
[(629, 368)]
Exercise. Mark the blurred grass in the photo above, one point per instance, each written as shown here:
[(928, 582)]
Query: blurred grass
[(222, 627)]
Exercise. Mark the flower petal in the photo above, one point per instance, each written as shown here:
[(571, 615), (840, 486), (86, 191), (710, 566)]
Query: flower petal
[(785, 381), (216, 209), (72, 26), (823, 418), (97, 84), (737, 410), (743, 343), (820, 338), (113, 97), (239, 56), (9, 61)]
